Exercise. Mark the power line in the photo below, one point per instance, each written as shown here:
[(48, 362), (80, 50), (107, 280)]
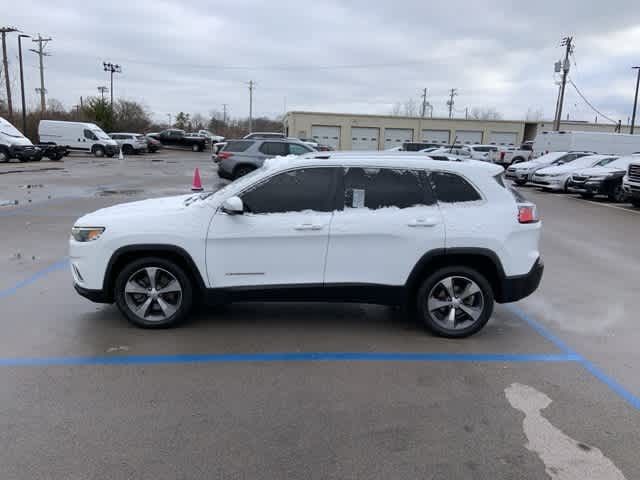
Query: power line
[(589, 103)]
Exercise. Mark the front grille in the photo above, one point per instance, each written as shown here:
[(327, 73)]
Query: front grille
[(634, 173), (578, 178)]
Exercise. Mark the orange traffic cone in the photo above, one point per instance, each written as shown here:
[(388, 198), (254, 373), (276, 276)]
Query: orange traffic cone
[(197, 184)]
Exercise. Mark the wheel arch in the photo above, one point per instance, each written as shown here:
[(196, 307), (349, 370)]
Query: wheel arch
[(124, 255), (485, 261)]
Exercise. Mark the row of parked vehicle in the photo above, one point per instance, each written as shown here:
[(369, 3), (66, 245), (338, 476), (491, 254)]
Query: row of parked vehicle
[(58, 138)]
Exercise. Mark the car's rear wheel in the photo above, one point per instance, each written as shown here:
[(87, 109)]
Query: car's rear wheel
[(455, 302), (617, 194), (242, 170), (4, 155), (154, 293), (127, 149)]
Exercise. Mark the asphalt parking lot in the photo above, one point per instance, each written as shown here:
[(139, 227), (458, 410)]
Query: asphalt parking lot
[(549, 389)]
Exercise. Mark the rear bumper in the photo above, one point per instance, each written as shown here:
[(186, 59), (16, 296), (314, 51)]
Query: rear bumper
[(518, 287), (97, 296)]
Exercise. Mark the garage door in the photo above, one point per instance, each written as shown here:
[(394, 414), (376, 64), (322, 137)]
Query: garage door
[(503, 138), (364, 138), (435, 136), (326, 135), (468, 136), (395, 137)]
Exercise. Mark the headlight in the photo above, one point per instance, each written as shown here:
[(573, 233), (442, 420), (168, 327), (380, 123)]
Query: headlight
[(597, 179), (86, 234), (552, 175)]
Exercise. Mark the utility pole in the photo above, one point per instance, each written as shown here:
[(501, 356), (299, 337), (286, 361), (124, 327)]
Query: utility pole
[(251, 87), (111, 68), (5, 61), (635, 102), (169, 115), (450, 102), (24, 108), (567, 42), (224, 113), (424, 102), (42, 43), (102, 91), (466, 113)]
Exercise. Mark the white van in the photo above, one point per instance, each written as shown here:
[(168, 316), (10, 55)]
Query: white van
[(14, 144), (597, 142), (77, 136)]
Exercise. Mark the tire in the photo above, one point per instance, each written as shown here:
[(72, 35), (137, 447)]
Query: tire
[(635, 202), (4, 155), (177, 302), (127, 149), (617, 194), (55, 157), (196, 148), (242, 170), (434, 289), (98, 151), (111, 155), (520, 182), (586, 195)]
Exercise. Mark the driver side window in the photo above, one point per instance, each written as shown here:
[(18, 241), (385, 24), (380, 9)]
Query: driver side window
[(88, 134), (292, 191)]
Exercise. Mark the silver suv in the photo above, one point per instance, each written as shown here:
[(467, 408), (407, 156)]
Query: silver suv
[(130, 142), (239, 157)]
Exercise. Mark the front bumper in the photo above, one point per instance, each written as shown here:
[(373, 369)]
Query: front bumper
[(631, 189), (518, 287), (97, 296), (25, 152), (111, 149), (590, 187), (551, 183), (516, 175)]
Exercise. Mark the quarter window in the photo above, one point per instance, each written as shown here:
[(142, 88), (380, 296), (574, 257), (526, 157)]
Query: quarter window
[(293, 191), (295, 149), (452, 188), (274, 148), (375, 188)]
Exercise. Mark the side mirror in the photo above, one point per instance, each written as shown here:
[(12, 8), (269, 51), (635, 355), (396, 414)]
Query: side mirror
[(233, 206)]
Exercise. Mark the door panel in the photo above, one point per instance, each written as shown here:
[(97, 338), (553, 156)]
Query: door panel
[(389, 221)]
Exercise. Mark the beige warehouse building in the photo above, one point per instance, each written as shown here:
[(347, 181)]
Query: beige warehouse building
[(344, 131)]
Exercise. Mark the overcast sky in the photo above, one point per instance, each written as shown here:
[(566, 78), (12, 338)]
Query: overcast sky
[(340, 56)]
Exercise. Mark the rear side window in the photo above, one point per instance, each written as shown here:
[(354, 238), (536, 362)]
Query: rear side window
[(295, 149), (452, 188), (237, 145), (375, 188), (274, 148)]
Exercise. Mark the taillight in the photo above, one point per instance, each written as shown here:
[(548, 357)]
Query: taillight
[(502, 155), (223, 156), (527, 214)]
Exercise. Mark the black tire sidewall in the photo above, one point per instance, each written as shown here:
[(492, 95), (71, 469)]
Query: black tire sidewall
[(520, 182), (127, 149), (177, 271), (430, 282)]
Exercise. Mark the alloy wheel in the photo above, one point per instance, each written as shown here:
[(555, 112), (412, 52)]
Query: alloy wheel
[(455, 303), (153, 294)]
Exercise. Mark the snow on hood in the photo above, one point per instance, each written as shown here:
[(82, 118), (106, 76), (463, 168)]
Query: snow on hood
[(543, 160), (566, 168), (605, 170), (133, 210)]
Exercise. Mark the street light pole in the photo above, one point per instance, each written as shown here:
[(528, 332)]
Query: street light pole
[(635, 102), (24, 108)]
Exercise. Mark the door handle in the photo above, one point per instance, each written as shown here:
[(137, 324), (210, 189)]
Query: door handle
[(423, 222), (308, 226)]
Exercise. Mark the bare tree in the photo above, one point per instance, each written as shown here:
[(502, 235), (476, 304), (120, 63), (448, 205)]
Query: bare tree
[(485, 113), (534, 115), (396, 109), (410, 108)]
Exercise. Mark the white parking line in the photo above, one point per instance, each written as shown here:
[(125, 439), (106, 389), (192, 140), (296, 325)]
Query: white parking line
[(563, 457), (617, 207)]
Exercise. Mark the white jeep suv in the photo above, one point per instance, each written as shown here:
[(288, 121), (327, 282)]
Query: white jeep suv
[(443, 239)]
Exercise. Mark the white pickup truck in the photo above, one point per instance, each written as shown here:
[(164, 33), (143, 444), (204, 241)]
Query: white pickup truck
[(631, 182), (506, 155)]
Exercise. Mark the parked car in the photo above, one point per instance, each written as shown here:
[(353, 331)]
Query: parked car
[(521, 173), (557, 177), (598, 142), (605, 180), (213, 138), (153, 144), (130, 143), (217, 147), (417, 146), (354, 229), (510, 155), (174, 137), (481, 152), (255, 135), (460, 150), (13, 144), (81, 136), (631, 182), (239, 157)]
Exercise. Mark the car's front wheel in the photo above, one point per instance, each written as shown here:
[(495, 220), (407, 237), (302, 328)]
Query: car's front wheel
[(617, 194), (154, 293), (520, 182), (455, 302)]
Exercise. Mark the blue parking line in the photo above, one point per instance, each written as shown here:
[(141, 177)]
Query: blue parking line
[(285, 357), (59, 265), (612, 384)]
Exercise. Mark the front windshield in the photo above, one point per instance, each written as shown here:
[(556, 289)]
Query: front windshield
[(100, 134), (622, 163), (582, 162), (606, 161), (7, 129)]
